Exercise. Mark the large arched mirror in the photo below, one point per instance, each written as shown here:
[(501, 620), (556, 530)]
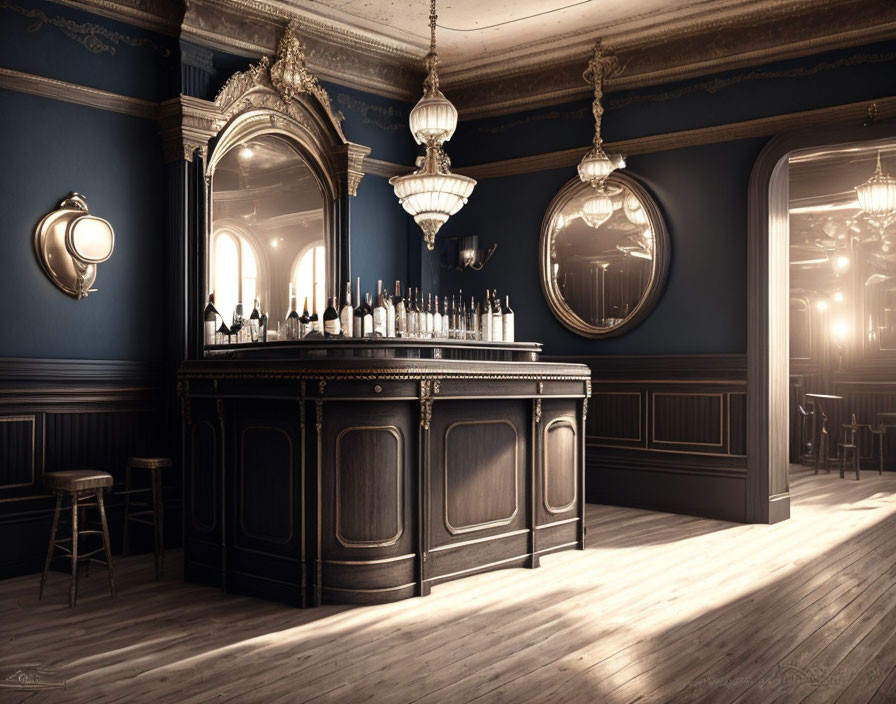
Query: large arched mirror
[(604, 256), (269, 228), (278, 174)]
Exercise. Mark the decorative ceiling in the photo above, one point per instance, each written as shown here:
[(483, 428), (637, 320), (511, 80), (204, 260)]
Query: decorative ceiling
[(500, 56)]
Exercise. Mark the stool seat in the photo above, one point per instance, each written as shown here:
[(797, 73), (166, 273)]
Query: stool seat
[(149, 462), (77, 480)]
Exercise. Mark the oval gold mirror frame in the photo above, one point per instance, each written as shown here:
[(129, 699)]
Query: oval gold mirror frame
[(547, 253)]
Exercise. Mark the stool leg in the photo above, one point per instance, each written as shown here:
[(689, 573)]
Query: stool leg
[(106, 545), (842, 459), (73, 590), (52, 547), (125, 543), (158, 519), (857, 463), (880, 459)]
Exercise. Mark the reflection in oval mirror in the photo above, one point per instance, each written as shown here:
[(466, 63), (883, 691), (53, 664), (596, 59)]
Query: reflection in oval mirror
[(268, 230), (604, 256)]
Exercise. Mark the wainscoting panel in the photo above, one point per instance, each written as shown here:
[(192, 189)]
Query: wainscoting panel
[(668, 433), (73, 414)]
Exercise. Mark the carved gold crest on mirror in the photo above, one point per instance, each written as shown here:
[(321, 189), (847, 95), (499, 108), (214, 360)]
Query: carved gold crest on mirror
[(603, 256)]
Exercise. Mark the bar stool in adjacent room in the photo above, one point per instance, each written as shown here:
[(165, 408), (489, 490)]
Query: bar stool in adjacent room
[(156, 509), (83, 487), (849, 444)]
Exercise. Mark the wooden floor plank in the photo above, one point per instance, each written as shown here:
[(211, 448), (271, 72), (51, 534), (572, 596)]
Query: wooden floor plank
[(659, 608)]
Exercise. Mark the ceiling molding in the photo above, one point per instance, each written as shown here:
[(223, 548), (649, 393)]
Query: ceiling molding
[(163, 16)]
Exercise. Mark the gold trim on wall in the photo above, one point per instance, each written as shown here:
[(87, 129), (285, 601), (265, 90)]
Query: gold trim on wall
[(516, 479), (399, 504), (570, 423)]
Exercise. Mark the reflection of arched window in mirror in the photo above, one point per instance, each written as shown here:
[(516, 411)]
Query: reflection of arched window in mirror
[(310, 269), (266, 198), (234, 272)]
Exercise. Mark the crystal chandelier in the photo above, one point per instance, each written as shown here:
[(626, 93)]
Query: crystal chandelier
[(432, 193), (597, 165), (877, 196)]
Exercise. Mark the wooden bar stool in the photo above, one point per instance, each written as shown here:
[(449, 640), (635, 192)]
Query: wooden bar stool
[(849, 444), (156, 509), (80, 486)]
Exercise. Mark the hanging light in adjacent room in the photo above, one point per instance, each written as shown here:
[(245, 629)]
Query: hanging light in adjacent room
[(877, 196), (432, 193), (597, 165)]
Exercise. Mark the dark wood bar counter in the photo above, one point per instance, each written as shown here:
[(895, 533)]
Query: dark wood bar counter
[(362, 471)]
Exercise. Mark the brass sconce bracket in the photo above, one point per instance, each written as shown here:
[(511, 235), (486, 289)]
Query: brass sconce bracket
[(70, 242)]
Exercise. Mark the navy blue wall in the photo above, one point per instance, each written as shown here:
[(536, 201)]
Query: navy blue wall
[(702, 192), (51, 148)]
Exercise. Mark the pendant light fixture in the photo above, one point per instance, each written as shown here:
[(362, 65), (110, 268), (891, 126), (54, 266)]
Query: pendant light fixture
[(877, 196), (432, 193), (597, 165)]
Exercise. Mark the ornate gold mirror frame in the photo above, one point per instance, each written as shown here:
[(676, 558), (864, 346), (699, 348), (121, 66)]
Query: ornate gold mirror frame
[(548, 266), (280, 98)]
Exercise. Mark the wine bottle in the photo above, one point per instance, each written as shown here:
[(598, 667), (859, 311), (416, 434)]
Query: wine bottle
[(305, 321), (507, 321), (254, 321), (428, 318), (347, 314), (237, 327), (401, 313), (497, 325), (316, 325), (436, 320), (487, 318), (452, 320), (293, 325), (390, 313), (413, 316), (358, 323), (379, 313), (332, 322), (210, 315), (462, 319), (446, 327), (475, 318), (367, 320), (263, 324)]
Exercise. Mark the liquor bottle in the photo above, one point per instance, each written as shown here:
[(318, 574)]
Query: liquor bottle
[(413, 316), (452, 320), (358, 323), (237, 328), (367, 320), (390, 313), (210, 315), (304, 322), (429, 318), (475, 318), (446, 322), (316, 325), (255, 321), (293, 325), (401, 313), (497, 325), (462, 320), (332, 322), (436, 320), (263, 325), (487, 319), (379, 313), (507, 320), (347, 314)]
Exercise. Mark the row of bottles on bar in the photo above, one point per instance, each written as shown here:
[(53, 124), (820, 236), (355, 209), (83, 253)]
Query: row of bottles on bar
[(409, 316)]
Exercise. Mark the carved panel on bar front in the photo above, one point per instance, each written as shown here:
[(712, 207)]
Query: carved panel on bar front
[(266, 474), (560, 465), (481, 475), (368, 486)]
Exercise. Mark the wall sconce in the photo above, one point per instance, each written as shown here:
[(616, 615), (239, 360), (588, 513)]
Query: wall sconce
[(70, 242), (469, 254)]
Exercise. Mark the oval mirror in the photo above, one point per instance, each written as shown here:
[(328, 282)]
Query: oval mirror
[(604, 256)]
